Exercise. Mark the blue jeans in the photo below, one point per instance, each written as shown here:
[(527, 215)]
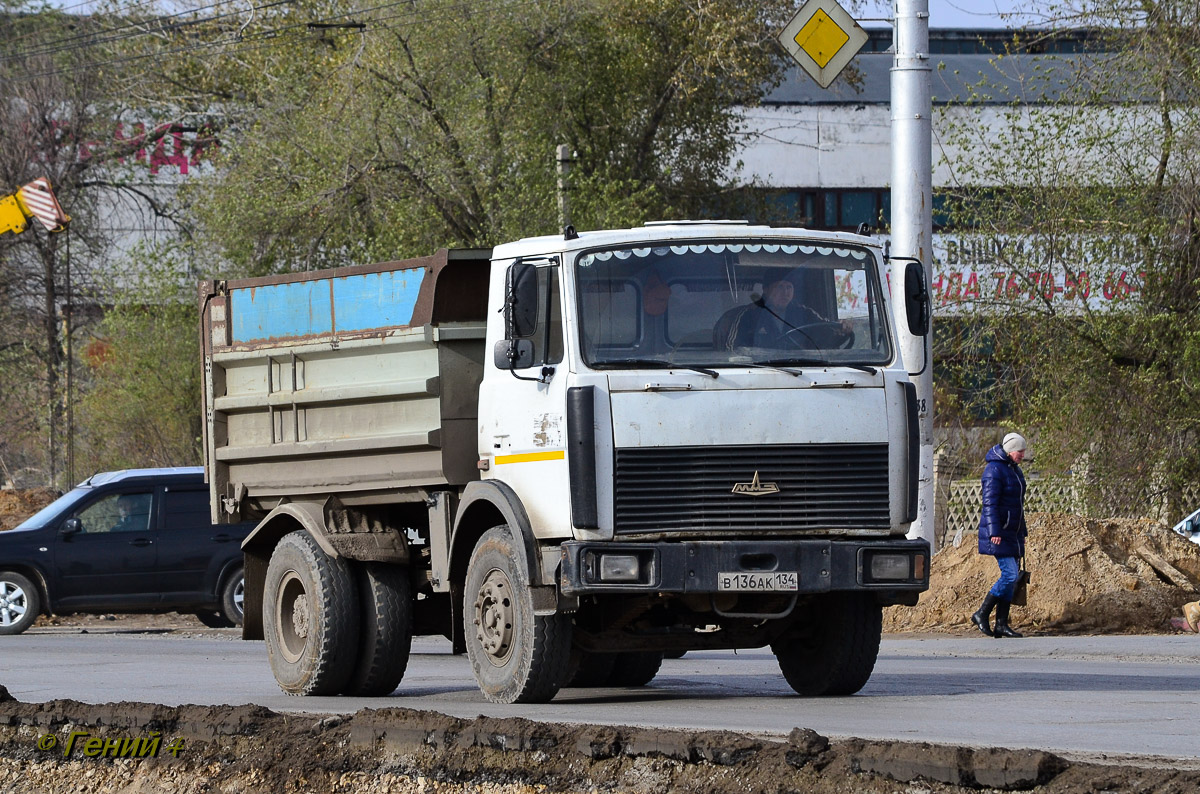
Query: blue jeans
[(1009, 569)]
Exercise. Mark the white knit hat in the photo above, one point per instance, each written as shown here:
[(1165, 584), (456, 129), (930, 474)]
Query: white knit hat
[(1013, 441)]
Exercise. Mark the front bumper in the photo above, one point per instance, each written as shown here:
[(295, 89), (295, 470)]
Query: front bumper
[(821, 566)]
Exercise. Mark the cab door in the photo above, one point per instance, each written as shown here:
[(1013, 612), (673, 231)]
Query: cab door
[(522, 411), (106, 552)]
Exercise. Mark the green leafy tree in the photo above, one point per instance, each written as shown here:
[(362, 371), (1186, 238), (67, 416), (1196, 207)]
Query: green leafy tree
[(142, 407), (1087, 188), (435, 123)]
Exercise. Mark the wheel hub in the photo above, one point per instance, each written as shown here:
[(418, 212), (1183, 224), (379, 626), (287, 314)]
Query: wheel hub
[(12, 604), (300, 617), (494, 617), (292, 619)]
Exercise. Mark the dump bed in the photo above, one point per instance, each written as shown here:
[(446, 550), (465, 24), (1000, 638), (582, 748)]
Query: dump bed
[(358, 381)]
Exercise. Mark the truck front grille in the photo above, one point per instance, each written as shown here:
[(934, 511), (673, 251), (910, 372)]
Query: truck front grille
[(820, 486)]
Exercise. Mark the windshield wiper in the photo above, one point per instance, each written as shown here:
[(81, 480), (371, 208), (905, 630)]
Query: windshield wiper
[(776, 367), (816, 362), (656, 364)]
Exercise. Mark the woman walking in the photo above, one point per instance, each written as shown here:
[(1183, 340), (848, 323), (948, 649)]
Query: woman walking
[(1002, 530)]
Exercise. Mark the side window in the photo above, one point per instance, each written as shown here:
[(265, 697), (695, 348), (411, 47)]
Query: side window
[(126, 512), (549, 318), (185, 510)]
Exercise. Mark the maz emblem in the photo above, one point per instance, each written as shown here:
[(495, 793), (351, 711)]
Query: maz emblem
[(755, 488)]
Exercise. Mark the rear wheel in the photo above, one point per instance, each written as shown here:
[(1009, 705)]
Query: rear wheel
[(310, 618), (833, 653), (214, 620), (385, 636), (233, 595), (20, 603), (517, 656), (635, 668)]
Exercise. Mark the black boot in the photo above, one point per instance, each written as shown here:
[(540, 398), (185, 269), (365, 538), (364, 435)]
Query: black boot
[(1002, 627), (984, 613)]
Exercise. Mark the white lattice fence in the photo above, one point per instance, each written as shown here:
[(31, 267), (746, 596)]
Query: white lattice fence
[(1048, 494)]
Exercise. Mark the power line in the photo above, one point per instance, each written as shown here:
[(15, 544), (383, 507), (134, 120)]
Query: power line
[(139, 28), (263, 38), (36, 17)]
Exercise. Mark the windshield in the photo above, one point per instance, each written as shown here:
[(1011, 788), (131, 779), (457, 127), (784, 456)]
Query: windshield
[(723, 304), (51, 511)]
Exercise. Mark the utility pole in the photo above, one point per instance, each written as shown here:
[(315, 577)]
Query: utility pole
[(563, 154), (912, 218)]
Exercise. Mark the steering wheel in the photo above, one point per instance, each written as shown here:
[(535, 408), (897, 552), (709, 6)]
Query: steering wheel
[(814, 333)]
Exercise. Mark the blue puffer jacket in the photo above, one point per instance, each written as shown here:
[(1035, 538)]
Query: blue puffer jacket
[(1003, 506)]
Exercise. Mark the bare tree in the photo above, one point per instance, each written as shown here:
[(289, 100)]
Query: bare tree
[(58, 119)]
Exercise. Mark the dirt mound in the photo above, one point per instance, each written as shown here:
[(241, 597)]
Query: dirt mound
[(64, 747), (18, 505), (1113, 576)]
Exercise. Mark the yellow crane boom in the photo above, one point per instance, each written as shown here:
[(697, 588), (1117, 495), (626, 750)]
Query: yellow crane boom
[(32, 201)]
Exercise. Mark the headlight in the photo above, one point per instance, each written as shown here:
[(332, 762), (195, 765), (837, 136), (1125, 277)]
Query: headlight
[(890, 567), (618, 568)]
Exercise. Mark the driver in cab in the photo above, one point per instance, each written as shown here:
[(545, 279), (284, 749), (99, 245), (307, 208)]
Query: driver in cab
[(774, 321)]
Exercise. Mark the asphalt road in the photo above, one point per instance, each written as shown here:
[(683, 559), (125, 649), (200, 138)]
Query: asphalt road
[(1091, 697)]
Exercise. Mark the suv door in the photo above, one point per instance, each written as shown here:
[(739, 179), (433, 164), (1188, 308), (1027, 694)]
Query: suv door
[(108, 555), (192, 552)]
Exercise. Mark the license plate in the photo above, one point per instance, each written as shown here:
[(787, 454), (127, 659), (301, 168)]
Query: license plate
[(774, 582)]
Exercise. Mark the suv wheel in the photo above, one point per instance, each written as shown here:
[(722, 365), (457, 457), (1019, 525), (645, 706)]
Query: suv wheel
[(20, 603), (233, 595)]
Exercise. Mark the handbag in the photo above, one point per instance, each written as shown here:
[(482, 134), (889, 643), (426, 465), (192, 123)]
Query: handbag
[(1020, 589)]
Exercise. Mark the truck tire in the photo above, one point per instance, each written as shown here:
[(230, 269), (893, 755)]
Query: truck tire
[(310, 618), (20, 603), (517, 656), (385, 631), (589, 669), (635, 668), (834, 654)]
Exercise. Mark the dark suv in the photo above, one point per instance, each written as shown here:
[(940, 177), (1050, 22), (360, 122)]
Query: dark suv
[(124, 541)]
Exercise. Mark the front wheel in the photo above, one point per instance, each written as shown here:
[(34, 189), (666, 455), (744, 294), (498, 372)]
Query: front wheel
[(635, 668), (20, 603), (517, 656), (310, 618), (833, 651)]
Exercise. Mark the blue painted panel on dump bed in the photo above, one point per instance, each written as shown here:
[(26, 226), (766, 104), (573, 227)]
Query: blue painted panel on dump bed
[(376, 300), (325, 306)]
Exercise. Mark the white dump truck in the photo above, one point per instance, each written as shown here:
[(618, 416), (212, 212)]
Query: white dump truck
[(571, 455)]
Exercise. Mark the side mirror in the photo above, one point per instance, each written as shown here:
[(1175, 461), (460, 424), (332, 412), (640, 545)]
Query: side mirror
[(513, 354), (521, 309), (72, 526), (916, 299)]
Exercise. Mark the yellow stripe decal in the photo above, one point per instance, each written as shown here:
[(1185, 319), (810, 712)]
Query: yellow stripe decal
[(531, 456)]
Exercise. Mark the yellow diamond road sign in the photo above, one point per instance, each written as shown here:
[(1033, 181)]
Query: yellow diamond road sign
[(822, 38)]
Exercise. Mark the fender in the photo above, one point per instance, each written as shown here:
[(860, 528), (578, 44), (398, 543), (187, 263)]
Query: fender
[(259, 544), (310, 516), (223, 576), (504, 500)]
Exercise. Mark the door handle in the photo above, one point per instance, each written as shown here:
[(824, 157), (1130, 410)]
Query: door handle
[(222, 538), (140, 542)]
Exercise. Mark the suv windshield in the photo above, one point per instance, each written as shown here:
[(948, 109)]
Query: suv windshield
[(51, 511), (714, 304)]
